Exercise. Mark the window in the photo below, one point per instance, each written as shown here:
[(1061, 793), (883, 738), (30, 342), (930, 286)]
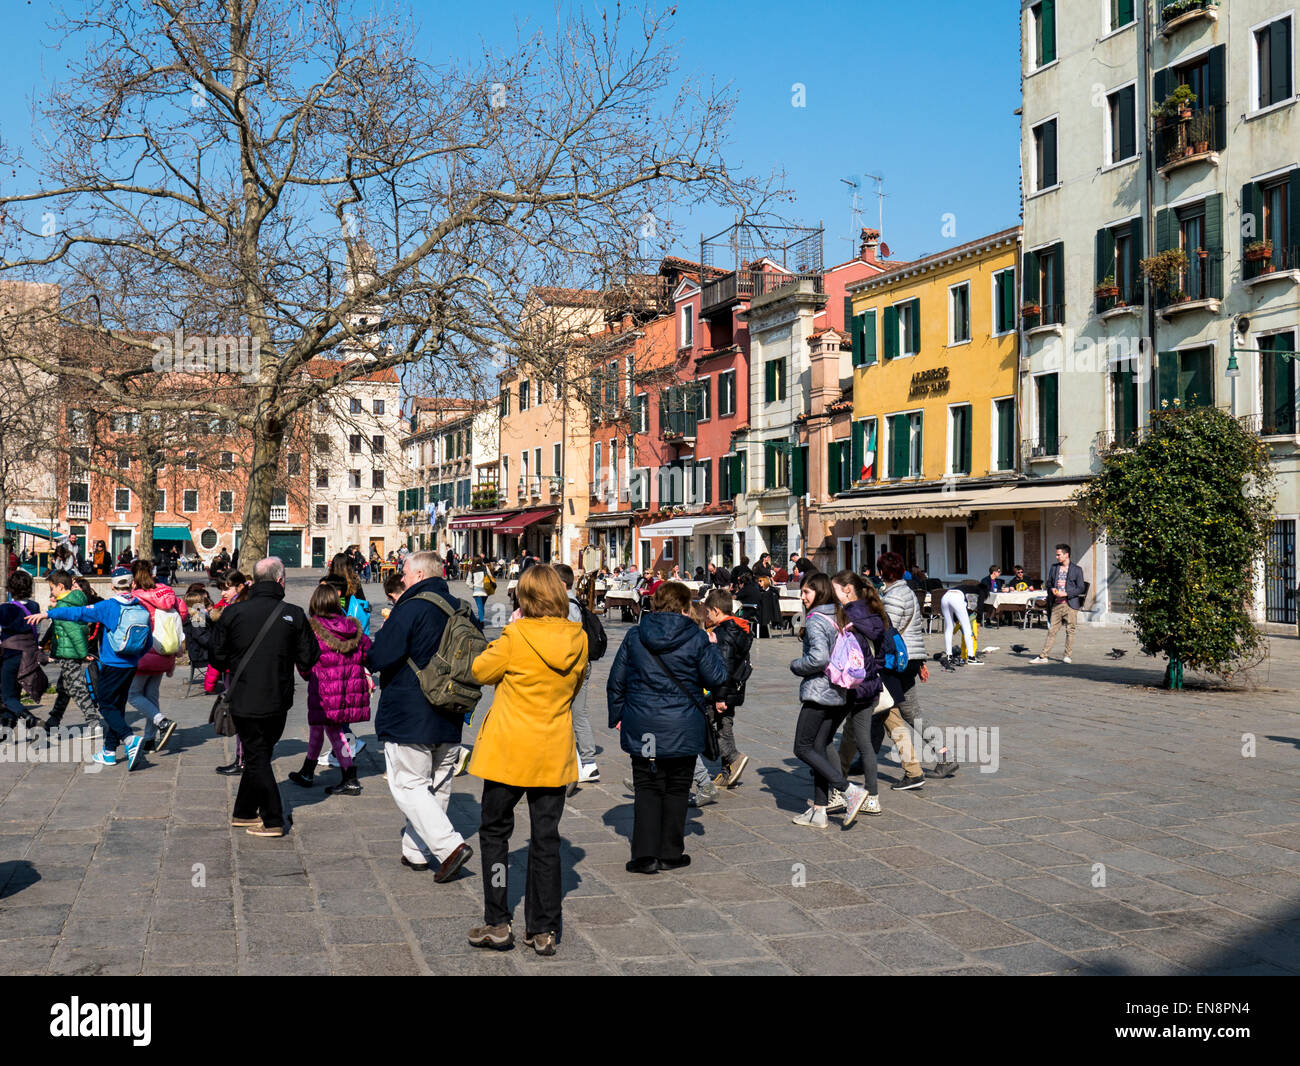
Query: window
[(1207, 125), (122, 500), (227, 460), (1279, 379), (641, 414), (79, 492), (1186, 378), (322, 479), (905, 445), (505, 403), (1045, 286), (959, 439), (1004, 414), (774, 380), (1273, 63), (688, 327), (1042, 18), (191, 461), (776, 466), (1121, 13), (322, 514), (293, 464), (377, 443), (376, 479), (957, 561), (377, 515), (1045, 395), (226, 501), (537, 461), (354, 479), (959, 314), (1123, 124), (1119, 255), (354, 444), (354, 406), (322, 406), (1124, 405), (862, 330), (354, 515), (540, 383), (124, 460), (160, 504), (903, 329), (613, 466), (839, 478), (190, 501), (525, 394), (128, 423), (1270, 229), (1045, 174), (1004, 301), (1198, 230), (726, 393), (557, 459), (76, 422), (597, 469), (322, 444)]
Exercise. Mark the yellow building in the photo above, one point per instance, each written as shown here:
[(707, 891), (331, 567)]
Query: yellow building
[(929, 466)]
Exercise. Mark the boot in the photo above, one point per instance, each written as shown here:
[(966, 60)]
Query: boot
[(306, 775), (233, 769), (347, 786)]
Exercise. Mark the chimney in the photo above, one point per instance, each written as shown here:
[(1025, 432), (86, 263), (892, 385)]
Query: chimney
[(869, 250)]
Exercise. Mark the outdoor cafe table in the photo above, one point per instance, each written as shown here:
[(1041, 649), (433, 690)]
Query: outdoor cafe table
[(1014, 599)]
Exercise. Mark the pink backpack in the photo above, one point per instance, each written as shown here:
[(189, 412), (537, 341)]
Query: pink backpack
[(847, 668)]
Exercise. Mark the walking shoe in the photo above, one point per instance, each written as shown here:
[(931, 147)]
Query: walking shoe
[(132, 747), (419, 866), (306, 776), (736, 769), (1039, 659), (496, 937), (814, 817), (104, 758), (165, 730), (349, 786), (705, 793), (588, 771), (975, 661), (1066, 659), (267, 830), (675, 864), (542, 943), (461, 763), (946, 768), (908, 783), (453, 863), (244, 823), (854, 798), (720, 780), (834, 801), (648, 865), (872, 806), (233, 769)]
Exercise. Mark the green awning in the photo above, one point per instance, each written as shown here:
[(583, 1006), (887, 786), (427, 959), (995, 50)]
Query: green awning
[(171, 533), (18, 527)]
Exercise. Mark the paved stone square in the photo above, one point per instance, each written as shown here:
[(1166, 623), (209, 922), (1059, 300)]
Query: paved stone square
[(1124, 831)]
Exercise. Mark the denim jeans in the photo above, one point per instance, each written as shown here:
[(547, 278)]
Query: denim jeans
[(111, 687), (479, 601)]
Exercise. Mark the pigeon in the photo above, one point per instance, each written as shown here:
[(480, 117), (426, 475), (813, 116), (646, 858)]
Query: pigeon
[(1019, 649), (1115, 653)]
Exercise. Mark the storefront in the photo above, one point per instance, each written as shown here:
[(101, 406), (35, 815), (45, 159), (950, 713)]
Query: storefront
[(612, 533), (686, 542), (473, 532), (534, 530)]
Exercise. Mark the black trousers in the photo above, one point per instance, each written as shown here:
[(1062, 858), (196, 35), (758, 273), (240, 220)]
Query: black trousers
[(812, 735), (258, 792), (543, 890), (663, 788)]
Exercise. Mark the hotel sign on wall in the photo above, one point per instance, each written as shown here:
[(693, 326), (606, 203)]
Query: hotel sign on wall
[(929, 383)]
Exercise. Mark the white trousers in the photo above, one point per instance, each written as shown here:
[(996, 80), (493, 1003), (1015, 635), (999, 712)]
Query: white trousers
[(953, 605), (412, 770)]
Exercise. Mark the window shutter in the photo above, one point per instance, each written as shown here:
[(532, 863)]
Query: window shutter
[(1252, 214), (1279, 62), (1135, 250), (1006, 434), (1217, 91), (1048, 15), (1293, 211), (868, 338), (914, 309), (967, 447), (832, 481), (1166, 230), (848, 319), (1214, 244), (799, 470), (1105, 254), (1050, 412), (769, 467), (1167, 378), (1125, 14), (891, 332), (1030, 286), (858, 450), (854, 323), (1161, 85), (1058, 281), (769, 381), (1049, 154), (899, 445), (1128, 121)]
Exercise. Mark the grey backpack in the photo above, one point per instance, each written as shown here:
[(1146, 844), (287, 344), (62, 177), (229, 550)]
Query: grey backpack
[(447, 680)]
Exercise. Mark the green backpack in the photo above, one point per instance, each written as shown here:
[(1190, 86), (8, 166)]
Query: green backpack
[(447, 680)]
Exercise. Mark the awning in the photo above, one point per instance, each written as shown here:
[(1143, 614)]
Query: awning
[(606, 519), (688, 526), (477, 521), (518, 523), (171, 533), (1048, 494), (18, 527), (959, 503)]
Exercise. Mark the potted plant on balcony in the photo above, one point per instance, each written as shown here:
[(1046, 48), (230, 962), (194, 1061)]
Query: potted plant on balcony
[(1107, 290), (1030, 312), (1177, 105), (1165, 269), (1259, 251)]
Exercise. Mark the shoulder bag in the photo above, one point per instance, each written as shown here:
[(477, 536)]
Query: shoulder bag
[(711, 748)]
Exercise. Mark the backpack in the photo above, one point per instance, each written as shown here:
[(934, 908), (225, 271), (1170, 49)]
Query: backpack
[(489, 583), (896, 657), (848, 667), (359, 608), (447, 679), (131, 637), (168, 635), (597, 642)]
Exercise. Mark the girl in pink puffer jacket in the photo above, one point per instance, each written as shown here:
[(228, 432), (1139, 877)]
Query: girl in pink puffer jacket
[(338, 689)]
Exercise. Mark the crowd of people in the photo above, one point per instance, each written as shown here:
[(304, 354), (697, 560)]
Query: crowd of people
[(674, 691)]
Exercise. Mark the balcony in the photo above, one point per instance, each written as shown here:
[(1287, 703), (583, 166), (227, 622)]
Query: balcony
[(79, 510), (1278, 423), (1043, 449), (741, 285), (1125, 300), (280, 513), (1191, 137), (530, 487), (1265, 261), (1042, 318), (485, 498), (1119, 440), (1197, 288), (1176, 13)]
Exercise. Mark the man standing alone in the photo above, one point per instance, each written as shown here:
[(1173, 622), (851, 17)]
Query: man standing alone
[(1065, 589)]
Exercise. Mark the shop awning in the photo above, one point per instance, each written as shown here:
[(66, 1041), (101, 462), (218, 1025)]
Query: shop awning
[(171, 533), (688, 526), (516, 524), (484, 520), (605, 519), (960, 503), (35, 531), (1049, 494)]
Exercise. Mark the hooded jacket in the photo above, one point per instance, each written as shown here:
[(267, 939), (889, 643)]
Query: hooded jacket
[(819, 634), (265, 687), (338, 687), (526, 740), (69, 639), (869, 629), (734, 638), (106, 613), (650, 707), (905, 616), (159, 598)]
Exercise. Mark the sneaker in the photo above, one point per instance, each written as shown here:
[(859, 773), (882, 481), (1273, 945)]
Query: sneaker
[(542, 943), (854, 798), (104, 758), (267, 830), (588, 771), (496, 937), (627, 784), (872, 806), (358, 746), (720, 780), (349, 787), (908, 783), (132, 747), (461, 763), (1066, 659), (165, 730), (1038, 660), (814, 817), (147, 745), (702, 798), (946, 768), (975, 661), (736, 769), (834, 801)]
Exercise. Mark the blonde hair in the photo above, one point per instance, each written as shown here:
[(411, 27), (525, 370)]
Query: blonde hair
[(541, 593)]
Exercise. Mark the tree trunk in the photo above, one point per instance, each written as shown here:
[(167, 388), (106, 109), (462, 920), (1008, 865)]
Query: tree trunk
[(268, 438), (1174, 675), (148, 508)]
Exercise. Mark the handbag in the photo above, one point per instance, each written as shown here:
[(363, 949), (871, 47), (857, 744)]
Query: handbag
[(711, 748), (489, 583), (221, 718)]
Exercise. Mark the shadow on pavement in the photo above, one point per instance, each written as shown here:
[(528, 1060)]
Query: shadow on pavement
[(15, 875)]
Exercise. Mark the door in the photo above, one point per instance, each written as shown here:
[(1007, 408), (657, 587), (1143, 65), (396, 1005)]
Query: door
[(846, 553), (120, 540), (1007, 549), (377, 545), (288, 546), (317, 552), (1279, 573)]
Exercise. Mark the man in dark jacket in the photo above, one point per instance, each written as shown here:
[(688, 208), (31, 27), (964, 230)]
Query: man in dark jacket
[(263, 692), (421, 742), (1065, 588), (655, 693)]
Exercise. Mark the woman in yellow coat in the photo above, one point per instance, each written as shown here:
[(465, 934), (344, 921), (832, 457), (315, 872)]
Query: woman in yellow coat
[(525, 747)]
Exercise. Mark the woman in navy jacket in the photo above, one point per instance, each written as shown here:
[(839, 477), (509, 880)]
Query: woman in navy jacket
[(662, 721)]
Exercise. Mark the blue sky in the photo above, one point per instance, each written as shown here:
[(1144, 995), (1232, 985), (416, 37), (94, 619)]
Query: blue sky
[(922, 94)]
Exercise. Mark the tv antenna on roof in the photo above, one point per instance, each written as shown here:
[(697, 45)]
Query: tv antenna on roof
[(855, 211), (879, 179)]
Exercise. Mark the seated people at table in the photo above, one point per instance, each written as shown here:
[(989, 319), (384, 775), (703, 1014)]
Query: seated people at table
[(718, 577), (763, 568), (988, 586), (1018, 581), (740, 570), (652, 582), (802, 566), (699, 574)]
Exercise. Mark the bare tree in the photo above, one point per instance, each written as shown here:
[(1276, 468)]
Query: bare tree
[(218, 158)]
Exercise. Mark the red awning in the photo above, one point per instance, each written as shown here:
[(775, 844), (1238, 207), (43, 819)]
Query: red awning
[(477, 521), (518, 523)]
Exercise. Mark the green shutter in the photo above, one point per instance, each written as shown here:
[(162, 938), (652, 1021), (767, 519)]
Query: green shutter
[(1105, 254), (1293, 215), (1217, 91), (868, 337), (1050, 174), (1029, 293), (1196, 381), (855, 334), (769, 467), (1279, 65), (1252, 214), (1161, 86), (769, 389), (1124, 384), (1128, 122), (1167, 378), (915, 311), (858, 450), (891, 332), (1166, 230), (1058, 281), (832, 468), (1049, 413), (1125, 14), (1006, 434), (799, 470), (967, 445), (1214, 244), (1049, 30), (899, 445), (1135, 252)]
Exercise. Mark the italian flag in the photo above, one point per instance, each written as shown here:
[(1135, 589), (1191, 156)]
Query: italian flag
[(869, 456)]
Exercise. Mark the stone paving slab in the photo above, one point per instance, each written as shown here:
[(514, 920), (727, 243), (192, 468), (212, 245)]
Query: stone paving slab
[(1124, 831)]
